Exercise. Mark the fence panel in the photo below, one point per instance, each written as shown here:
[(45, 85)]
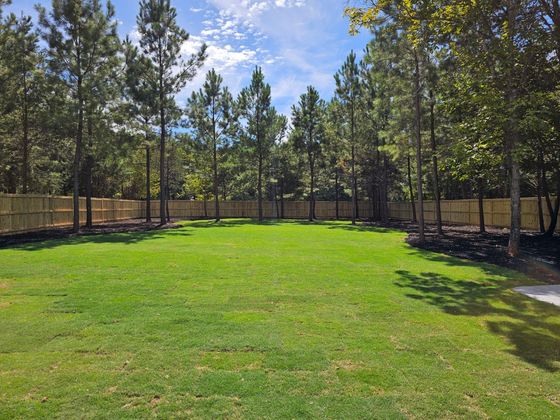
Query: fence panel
[(26, 213), (497, 212)]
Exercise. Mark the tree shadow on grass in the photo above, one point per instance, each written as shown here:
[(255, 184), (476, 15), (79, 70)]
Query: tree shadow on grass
[(330, 224), (362, 228), (64, 238), (528, 325), (111, 238)]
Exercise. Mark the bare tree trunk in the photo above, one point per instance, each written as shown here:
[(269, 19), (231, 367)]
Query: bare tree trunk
[(337, 194), (372, 201), (539, 200), (511, 141), (312, 189), (25, 140), (167, 191), (418, 132), (384, 195), (515, 230), (554, 215), (552, 210), (282, 198), (78, 157), (162, 154), (276, 201), (482, 223), (259, 189), (215, 168), (546, 193), (411, 189), (354, 181), (374, 211), (148, 183), (435, 172), (88, 170)]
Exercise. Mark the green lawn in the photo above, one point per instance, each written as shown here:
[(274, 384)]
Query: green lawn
[(274, 320)]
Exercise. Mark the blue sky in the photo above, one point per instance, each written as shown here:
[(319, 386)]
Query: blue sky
[(297, 42)]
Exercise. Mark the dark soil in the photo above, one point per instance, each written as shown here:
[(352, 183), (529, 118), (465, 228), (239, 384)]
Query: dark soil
[(540, 256), (127, 226)]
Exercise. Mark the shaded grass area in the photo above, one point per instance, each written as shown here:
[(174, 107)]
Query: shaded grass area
[(278, 320)]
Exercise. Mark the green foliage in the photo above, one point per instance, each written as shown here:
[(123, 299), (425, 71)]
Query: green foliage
[(261, 127), (487, 79), (308, 120), (161, 40)]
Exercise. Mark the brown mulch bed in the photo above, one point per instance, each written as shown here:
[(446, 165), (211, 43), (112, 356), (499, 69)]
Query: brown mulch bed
[(540, 256), (127, 226)]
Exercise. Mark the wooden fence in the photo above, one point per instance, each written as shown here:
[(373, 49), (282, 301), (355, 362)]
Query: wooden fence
[(497, 212), (249, 209), (26, 213)]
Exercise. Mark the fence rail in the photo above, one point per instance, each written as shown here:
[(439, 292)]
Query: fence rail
[(27, 213)]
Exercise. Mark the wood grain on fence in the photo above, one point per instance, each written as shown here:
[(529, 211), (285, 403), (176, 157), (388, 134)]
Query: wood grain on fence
[(26, 213)]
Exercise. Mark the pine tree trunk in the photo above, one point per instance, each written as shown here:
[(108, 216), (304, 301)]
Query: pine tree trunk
[(511, 143), (259, 189), (515, 230), (435, 173), (354, 187), (554, 216), (88, 173), (148, 183), (384, 195), (25, 140), (215, 168), (276, 201), (482, 223), (311, 189), (546, 193), (78, 158), (162, 157), (372, 202), (418, 117), (337, 194), (411, 189), (374, 198), (539, 201), (282, 198), (167, 191), (354, 181)]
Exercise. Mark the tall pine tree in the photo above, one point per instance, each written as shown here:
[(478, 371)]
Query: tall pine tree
[(76, 32), (161, 39)]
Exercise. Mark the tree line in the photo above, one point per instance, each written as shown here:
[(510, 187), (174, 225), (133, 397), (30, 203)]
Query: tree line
[(448, 100)]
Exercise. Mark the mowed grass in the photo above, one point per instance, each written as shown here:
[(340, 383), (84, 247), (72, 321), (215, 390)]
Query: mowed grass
[(271, 320)]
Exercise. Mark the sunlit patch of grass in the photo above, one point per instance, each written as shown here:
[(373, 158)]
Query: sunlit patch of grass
[(277, 319)]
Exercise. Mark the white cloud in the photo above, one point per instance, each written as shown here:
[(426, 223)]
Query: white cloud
[(297, 42), (248, 10)]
